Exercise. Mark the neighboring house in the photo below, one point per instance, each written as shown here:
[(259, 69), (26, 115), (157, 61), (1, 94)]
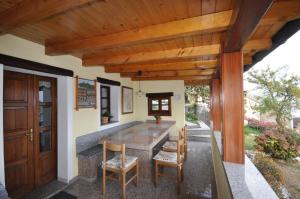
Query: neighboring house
[(295, 122)]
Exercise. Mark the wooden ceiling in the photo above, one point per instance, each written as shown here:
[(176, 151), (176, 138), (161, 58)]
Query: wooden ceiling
[(165, 39)]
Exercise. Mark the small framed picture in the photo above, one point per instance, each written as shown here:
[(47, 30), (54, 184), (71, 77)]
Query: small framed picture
[(85, 93), (127, 100)]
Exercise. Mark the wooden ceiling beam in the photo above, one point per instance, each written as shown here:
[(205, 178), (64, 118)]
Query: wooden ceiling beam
[(257, 45), (190, 52), (171, 78), (247, 60), (247, 17), (187, 65), (170, 73), (196, 82), (206, 23), (28, 11)]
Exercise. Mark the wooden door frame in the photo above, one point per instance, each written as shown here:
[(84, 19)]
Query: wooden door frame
[(2, 167)]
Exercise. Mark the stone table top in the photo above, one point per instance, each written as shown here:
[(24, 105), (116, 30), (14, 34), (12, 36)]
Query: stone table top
[(143, 136)]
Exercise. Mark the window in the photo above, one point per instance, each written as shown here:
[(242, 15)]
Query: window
[(105, 99), (159, 104)]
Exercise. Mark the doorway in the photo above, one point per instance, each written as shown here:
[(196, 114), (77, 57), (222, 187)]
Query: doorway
[(30, 131)]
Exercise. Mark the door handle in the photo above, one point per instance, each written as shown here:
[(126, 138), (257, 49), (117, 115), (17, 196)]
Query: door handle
[(30, 134)]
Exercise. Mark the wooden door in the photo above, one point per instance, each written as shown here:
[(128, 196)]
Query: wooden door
[(18, 133), (30, 132), (45, 130)]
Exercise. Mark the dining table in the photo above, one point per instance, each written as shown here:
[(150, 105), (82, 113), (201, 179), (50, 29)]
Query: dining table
[(143, 141)]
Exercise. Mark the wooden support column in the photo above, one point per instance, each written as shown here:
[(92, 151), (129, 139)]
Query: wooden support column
[(216, 105), (232, 107)]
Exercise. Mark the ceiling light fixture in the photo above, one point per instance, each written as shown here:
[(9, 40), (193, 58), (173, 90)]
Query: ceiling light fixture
[(140, 93)]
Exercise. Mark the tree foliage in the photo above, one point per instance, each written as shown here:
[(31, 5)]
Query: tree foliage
[(280, 93), (193, 93)]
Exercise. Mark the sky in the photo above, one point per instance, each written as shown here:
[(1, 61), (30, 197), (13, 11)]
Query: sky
[(286, 54)]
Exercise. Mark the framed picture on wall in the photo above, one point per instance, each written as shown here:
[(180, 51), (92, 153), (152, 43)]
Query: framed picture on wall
[(127, 100), (85, 93)]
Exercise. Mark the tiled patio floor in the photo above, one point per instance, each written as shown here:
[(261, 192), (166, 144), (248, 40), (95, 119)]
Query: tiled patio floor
[(197, 182)]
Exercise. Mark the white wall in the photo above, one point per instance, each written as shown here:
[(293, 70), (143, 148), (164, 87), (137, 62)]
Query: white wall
[(2, 174), (64, 128), (177, 101)]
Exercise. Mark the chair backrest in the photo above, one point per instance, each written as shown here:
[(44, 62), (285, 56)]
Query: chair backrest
[(181, 134), (114, 148), (184, 133), (180, 149)]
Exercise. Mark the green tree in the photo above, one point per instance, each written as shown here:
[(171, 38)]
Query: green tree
[(280, 93), (192, 93)]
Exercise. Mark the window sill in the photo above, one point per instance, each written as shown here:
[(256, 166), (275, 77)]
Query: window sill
[(109, 125)]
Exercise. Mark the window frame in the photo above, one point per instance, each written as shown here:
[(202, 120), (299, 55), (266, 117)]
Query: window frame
[(159, 97)]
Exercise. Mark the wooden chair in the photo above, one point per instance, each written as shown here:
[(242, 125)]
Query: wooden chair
[(170, 159), (171, 146), (120, 164)]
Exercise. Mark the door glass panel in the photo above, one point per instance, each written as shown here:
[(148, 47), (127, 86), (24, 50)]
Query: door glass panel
[(45, 116), (45, 141), (44, 91), (45, 111)]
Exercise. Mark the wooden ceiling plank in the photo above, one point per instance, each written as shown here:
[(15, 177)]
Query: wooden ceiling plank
[(250, 12), (190, 52), (171, 78), (28, 11), (195, 25), (187, 65)]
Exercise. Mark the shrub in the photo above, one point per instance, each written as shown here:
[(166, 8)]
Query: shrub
[(261, 125), (295, 136), (191, 117), (249, 130), (271, 171), (278, 145)]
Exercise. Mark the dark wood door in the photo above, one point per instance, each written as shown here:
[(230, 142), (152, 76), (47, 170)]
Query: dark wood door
[(45, 130), (30, 132), (18, 131)]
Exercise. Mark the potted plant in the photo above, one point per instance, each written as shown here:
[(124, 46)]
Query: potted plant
[(157, 118), (106, 117)]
